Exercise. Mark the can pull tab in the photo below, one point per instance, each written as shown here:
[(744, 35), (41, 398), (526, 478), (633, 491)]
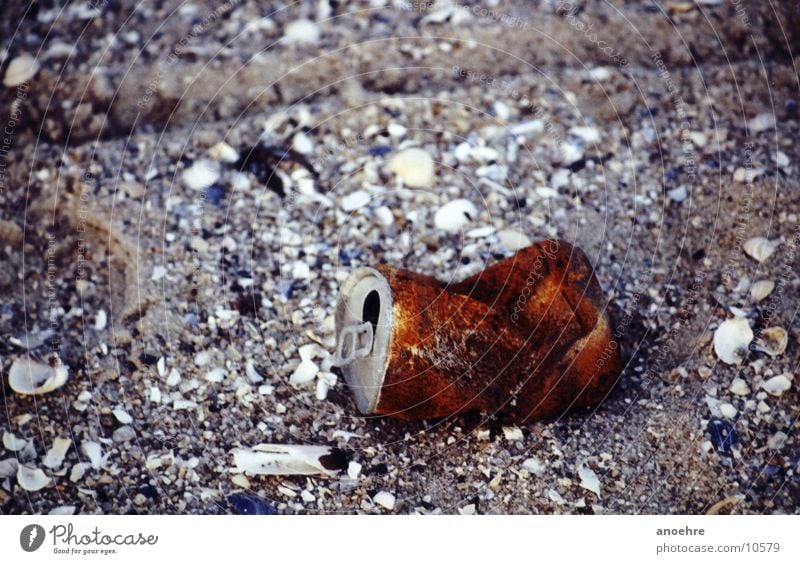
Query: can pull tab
[(355, 341)]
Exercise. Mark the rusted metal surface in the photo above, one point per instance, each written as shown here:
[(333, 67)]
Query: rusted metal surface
[(527, 338)]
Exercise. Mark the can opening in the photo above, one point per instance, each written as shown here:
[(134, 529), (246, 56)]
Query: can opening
[(372, 308)]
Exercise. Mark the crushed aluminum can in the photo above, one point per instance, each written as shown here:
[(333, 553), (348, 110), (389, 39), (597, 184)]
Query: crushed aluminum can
[(527, 338)]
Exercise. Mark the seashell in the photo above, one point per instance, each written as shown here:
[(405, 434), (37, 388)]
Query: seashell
[(589, 480), (287, 460), (12, 443), (355, 200), (772, 341), (20, 70), (760, 248), (761, 289), (513, 240), (301, 32), (31, 479), (201, 174), (33, 378), (94, 452), (414, 167), (63, 510), (55, 454), (776, 385), (304, 373), (223, 152), (731, 340), (739, 387), (384, 499), (420, 336), (454, 215), (122, 416)]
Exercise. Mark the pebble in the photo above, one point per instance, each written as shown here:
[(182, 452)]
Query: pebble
[(396, 130), (202, 358), (560, 178), (302, 144), (761, 289), (526, 127), (512, 433), (571, 152), (31, 479), (777, 385), (78, 471), (100, 320), (678, 194), (513, 240), (588, 134), (747, 175), (773, 341), (158, 273), (698, 138), (777, 441), (454, 215), (248, 504), (761, 122), (241, 481), (728, 410), (202, 174), (414, 167), (122, 416), (355, 200), (731, 340), (12, 442), (480, 232), (739, 387), (123, 434), (94, 452), (760, 248), (782, 160), (8, 467), (63, 510), (55, 454), (303, 374), (723, 435), (301, 32), (353, 469), (384, 499), (215, 375), (384, 216), (20, 70), (469, 509), (223, 152)]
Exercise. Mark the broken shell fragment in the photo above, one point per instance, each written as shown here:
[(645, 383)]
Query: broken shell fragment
[(33, 378), (31, 479), (773, 341), (731, 340), (287, 460), (761, 289), (760, 248), (527, 338)]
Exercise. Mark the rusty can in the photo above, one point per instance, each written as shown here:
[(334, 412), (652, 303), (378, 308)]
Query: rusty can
[(527, 338)]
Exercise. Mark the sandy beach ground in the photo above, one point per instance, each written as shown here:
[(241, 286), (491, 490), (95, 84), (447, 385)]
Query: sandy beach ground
[(179, 290)]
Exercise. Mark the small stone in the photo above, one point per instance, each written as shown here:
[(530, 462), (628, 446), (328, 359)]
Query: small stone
[(761, 122), (739, 387), (215, 375), (760, 248), (303, 374), (302, 144), (414, 167), (777, 441), (513, 240), (747, 175), (728, 410), (781, 159), (78, 471), (301, 270), (698, 138), (396, 130), (202, 358), (353, 469), (100, 320), (355, 200), (454, 215), (763, 407), (776, 385), (560, 178), (469, 509), (20, 70), (761, 289), (512, 433), (588, 134), (678, 194), (384, 216), (158, 273), (122, 416), (63, 510), (55, 454), (223, 152), (571, 152), (384, 499), (589, 480), (772, 341), (123, 434), (240, 480), (301, 32), (480, 232), (12, 442), (526, 127), (731, 340), (202, 174)]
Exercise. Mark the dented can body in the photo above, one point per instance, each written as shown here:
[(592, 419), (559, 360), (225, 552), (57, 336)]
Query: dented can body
[(527, 338)]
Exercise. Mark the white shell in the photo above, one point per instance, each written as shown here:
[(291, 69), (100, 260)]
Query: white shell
[(282, 460), (31, 479), (589, 480), (355, 200), (94, 452), (304, 373), (20, 70), (55, 455), (32, 378), (776, 385), (760, 248), (301, 32), (739, 387), (773, 341), (761, 289), (513, 240), (414, 167), (223, 152), (12, 442), (63, 510), (453, 216), (731, 340), (122, 416), (384, 499)]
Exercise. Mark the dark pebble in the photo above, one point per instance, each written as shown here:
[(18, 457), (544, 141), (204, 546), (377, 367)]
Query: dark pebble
[(214, 194), (723, 437), (246, 504), (380, 150)]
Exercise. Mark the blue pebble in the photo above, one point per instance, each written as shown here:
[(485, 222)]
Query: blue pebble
[(379, 150), (245, 504), (723, 437), (286, 288), (214, 194)]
